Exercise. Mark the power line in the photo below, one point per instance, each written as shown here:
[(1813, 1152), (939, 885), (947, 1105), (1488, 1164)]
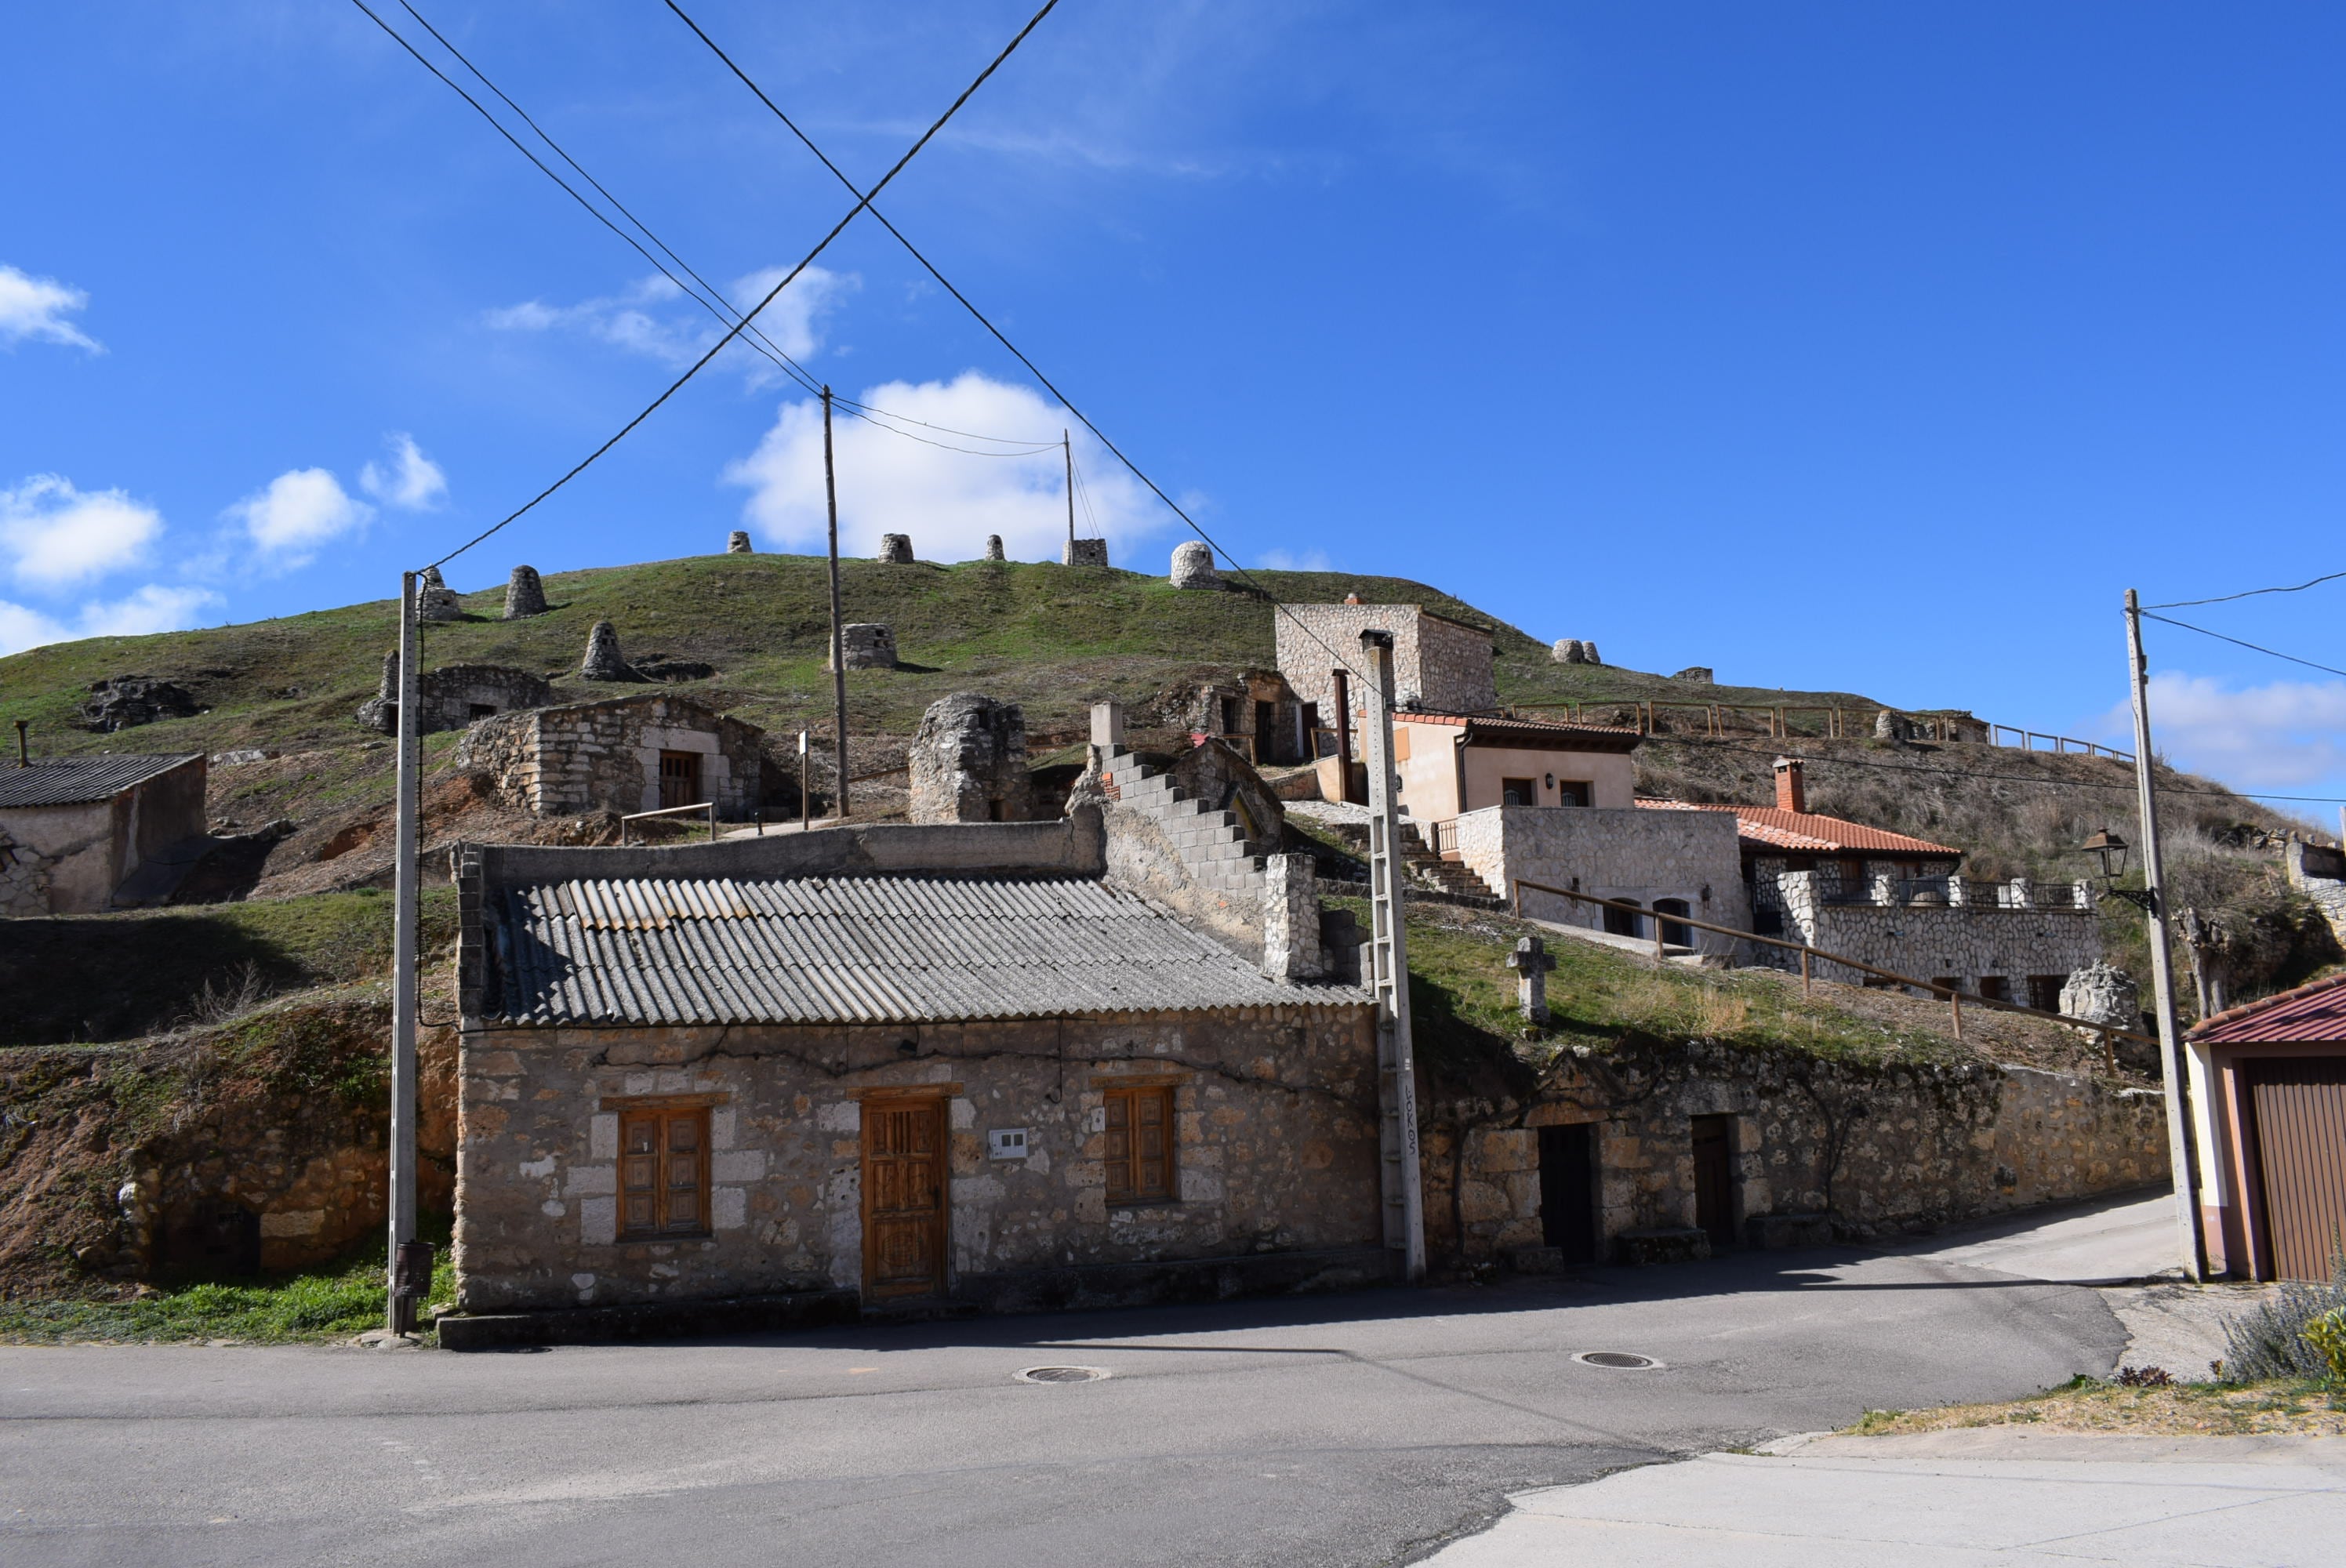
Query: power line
[(980, 316), (2247, 593), (2254, 647), (715, 303), (862, 203), (1965, 773)]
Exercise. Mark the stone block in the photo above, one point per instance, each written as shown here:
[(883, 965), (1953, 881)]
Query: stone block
[(1084, 552), (866, 645), (896, 549), (1663, 1244)]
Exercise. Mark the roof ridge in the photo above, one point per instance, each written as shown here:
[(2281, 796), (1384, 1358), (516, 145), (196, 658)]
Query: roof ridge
[(2247, 1009)]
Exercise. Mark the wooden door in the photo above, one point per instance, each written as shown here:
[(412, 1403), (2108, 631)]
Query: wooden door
[(679, 777), (1568, 1172), (2298, 1108), (904, 1197), (1714, 1178)]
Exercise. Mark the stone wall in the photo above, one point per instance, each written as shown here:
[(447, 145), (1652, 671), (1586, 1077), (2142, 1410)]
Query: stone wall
[(454, 696), (1634, 854), (1439, 665), (1276, 1122), (1213, 774), (1986, 929), (1874, 1149), (605, 756), (967, 762), (72, 858)]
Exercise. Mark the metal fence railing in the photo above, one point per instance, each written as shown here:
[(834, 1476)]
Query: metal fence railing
[(708, 806)]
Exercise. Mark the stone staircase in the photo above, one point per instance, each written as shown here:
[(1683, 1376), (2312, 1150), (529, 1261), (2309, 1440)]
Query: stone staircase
[(1443, 875), (1210, 844)]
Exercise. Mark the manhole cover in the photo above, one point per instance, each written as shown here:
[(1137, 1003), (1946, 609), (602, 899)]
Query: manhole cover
[(1621, 1361), (1063, 1374)]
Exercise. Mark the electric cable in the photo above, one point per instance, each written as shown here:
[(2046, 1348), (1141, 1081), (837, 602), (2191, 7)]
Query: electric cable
[(863, 202), (1779, 750), (1032, 367), (2247, 593), (2253, 647)]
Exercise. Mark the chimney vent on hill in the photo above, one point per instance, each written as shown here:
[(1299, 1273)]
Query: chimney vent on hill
[(1792, 787)]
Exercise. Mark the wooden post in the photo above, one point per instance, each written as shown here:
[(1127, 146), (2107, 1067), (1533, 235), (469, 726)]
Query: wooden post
[(806, 809), (1659, 957), (1068, 445), (1956, 999), (1805, 991), (838, 646), (1343, 681)]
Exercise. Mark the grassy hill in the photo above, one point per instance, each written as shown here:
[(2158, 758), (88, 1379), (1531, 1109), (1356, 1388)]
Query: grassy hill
[(1055, 639)]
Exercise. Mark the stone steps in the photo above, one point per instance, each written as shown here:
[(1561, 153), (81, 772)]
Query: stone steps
[(1210, 844)]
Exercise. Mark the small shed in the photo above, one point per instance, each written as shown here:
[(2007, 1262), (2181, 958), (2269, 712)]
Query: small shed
[(636, 753), (77, 833), (2271, 1115)]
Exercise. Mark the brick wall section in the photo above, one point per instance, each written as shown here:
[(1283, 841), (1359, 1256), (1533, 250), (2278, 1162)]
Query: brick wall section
[(605, 756), (1438, 664), (1882, 1149), (1276, 1120)]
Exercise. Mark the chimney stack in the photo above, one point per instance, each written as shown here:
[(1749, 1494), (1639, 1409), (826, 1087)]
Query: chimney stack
[(1791, 789)]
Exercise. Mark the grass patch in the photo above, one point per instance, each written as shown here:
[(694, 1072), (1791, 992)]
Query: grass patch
[(93, 978), (336, 1302), (2299, 1405), (1462, 992)]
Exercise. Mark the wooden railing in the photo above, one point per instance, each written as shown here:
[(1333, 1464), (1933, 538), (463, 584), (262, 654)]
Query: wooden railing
[(1795, 721), (1807, 955)]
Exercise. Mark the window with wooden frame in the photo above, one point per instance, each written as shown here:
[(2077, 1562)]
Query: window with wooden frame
[(1140, 1156), (664, 1172)]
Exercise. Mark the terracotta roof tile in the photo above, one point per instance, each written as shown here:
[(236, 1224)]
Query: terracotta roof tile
[(1809, 833), (2312, 1011)]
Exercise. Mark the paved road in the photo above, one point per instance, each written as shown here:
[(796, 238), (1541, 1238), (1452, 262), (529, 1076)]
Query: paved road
[(1343, 1430), (1995, 1498)]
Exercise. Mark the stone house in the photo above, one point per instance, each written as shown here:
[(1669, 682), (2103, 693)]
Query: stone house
[(1672, 863), (454, 696), (1898, 903), (79, 835), (642, 752), (1439, 665), (1256, 715), (2269, 1107), (894, 1063)]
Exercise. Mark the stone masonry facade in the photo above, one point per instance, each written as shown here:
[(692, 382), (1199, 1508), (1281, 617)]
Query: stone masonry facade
[(1275, 1149), (1818, 1148), (1960, 928), (605, 756), (1631, 854), (1440, 665)]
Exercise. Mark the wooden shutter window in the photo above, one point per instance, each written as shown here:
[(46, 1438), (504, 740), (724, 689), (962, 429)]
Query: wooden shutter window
[(664, 1173), (1140, 1156)]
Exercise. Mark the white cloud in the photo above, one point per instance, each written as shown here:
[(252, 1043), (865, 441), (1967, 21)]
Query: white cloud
[(948, 501), (2265, 736), (299, 513), (652, 317), (1292, 561), (153, 608), (55, 535), (414, 481), (33, 306)]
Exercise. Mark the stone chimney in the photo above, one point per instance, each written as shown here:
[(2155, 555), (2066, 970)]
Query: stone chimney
[(1791, 787)]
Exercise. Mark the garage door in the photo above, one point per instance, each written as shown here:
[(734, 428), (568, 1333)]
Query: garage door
[(2299, 1107)]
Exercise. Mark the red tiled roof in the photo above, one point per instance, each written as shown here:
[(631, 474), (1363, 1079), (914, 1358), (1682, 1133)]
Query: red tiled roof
[(2312, 1011), (1808, 834)]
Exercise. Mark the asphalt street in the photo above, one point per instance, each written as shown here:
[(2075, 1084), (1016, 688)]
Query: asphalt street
[(1355, 1429)]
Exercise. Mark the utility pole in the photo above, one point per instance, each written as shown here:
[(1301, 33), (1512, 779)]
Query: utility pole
[(838, 643), (1405, 1196), (2182, 1137), (1068, 447), (397, 1313)]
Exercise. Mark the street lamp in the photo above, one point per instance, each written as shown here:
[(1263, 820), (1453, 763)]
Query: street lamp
[(2111, 850)]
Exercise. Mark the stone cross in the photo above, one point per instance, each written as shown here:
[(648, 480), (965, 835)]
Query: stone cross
[(1531, 961)]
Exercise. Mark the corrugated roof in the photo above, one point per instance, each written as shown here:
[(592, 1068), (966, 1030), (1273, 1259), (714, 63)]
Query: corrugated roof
[(1534, 732), (71, 781), (860, 949), (2311, 1011), (1809, 833)]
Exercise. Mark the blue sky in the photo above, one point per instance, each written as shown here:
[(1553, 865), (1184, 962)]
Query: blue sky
[(1857, 346)]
